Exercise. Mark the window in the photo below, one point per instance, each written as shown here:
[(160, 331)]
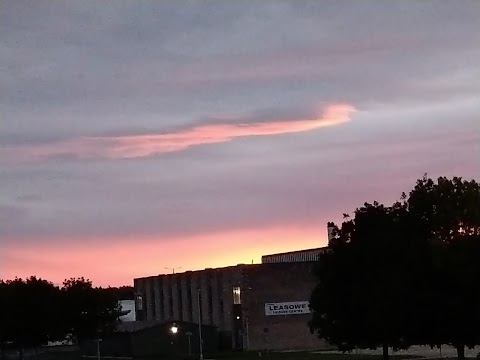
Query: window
[(236, 295)]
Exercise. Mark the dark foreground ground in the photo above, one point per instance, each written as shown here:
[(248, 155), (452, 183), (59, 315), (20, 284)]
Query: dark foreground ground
[(305, 356), (75, 355)]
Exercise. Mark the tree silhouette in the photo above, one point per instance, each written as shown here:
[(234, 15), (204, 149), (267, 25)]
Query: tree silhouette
[(364, 279), (35, 311), (88, 311), (447, 214), (404, 274)]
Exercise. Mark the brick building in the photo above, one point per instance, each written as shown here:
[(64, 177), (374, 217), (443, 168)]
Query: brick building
[(254, 307)]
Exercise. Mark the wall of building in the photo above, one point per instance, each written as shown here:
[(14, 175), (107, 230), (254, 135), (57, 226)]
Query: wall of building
[(241, 320), (174, 297), (276, 283), (293, 256)]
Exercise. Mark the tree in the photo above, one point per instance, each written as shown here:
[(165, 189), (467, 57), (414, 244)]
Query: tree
[(447, 214), (122, 292), (363, 280), (6, 319), (88, 311), (28, 307), (404, 274), (35, 311)]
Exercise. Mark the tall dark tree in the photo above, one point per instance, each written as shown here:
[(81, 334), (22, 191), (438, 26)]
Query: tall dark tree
[(364, 280), (5, 335), (447, 214), (404, 274)]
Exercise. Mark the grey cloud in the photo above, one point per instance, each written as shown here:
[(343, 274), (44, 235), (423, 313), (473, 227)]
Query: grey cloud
[(12, 217), (28, 198), (87, 67), (304, 179), (108, 68)]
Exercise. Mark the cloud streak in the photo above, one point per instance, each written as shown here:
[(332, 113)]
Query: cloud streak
[(137, 146)]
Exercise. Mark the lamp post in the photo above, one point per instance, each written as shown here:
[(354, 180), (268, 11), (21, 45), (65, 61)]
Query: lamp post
[(252, 304), (189, 335), (199, 324), (246, 332), (98, 348), (173, 269), (174, 331)]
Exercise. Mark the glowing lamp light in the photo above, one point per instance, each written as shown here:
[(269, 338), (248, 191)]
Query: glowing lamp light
[(174, 329)]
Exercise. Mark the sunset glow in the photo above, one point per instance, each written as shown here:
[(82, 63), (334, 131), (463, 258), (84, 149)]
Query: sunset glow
[(116, 261)]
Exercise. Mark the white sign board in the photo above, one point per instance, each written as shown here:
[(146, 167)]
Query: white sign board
[(287, 308)]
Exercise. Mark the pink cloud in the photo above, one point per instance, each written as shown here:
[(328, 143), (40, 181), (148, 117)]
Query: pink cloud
[(134, 146)]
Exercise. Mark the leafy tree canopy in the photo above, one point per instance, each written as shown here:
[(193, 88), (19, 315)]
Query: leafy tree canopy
[(38, 311), (404, 274)]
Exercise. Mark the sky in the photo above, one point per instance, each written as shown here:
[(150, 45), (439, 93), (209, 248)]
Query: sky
[(138, 137)]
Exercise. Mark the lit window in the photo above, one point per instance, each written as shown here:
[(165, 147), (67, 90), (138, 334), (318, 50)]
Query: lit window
[(236, 295)]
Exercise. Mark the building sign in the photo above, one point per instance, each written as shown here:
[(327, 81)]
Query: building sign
[(287, 308)]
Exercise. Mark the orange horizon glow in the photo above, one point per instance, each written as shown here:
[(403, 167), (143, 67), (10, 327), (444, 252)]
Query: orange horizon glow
[(135, 146), (117, 261)]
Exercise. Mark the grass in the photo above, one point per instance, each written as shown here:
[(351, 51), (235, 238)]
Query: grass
[(302, 355)]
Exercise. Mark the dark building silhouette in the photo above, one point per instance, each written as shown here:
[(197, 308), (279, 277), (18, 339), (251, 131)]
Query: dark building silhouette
[(254, 307)]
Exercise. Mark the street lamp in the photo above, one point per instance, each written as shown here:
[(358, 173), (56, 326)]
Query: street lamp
[(173, 269), (251, 305), (98, 341), (174, 329), (189, 335), (200, 324)]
